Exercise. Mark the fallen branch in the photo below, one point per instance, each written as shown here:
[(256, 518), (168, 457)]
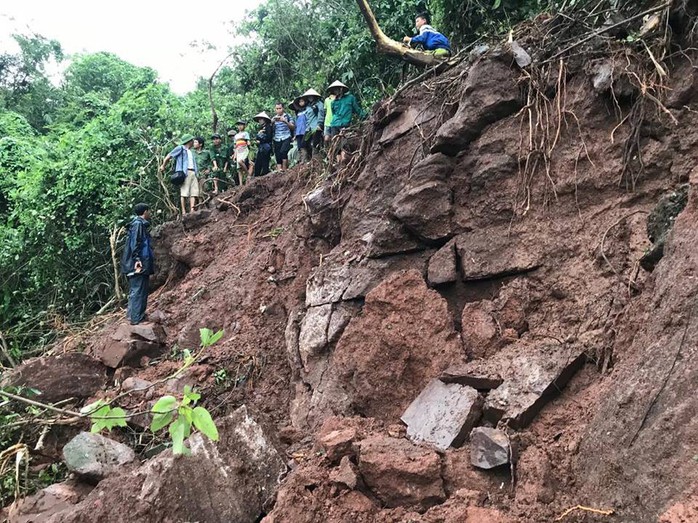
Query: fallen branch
[(585, 509), (6, 350)]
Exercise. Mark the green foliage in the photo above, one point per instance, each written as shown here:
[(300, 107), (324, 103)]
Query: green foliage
[(104, 416), (180, 416)]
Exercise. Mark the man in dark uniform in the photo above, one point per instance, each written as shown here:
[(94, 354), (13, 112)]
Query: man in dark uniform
[(138, 263)]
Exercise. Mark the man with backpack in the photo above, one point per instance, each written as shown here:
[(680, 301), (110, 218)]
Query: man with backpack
[(185, 162), (138, 263)]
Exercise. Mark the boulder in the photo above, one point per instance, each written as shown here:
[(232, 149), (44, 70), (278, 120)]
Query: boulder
[(405, 121), (412, 339), (443, 414), (489, 448), (323, 209), (425, 209), (57, 378), (346, 475), (400, 473), (48, 504), (443, 265), (95, 457), (231, 480), (313, 332), (337, 444), (487, 254), (129, 343)]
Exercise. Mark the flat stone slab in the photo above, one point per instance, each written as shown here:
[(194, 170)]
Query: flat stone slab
[(489, 448), (443, 414), (476, 374), (487, 254)]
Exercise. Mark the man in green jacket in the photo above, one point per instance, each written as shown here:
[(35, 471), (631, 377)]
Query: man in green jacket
[(344, 107), (218, 158), (204, 160)]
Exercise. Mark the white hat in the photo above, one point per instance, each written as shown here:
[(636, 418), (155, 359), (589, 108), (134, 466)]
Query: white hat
[(262, 116), (337, 84), (311, 92)]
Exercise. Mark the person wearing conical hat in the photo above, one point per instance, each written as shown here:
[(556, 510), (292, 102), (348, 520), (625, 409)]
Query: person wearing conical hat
[(265, 137), (344, 107), (315, 120), (185, 162), (241, 155), (299, 106)]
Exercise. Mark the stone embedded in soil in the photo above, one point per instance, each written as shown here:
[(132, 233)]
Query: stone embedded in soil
[(337, 443), (130, 343), (95, 457), (229, 480), (479, 329), (412, 339), (532, 375), (489, 448), (57, 378), (345, 475), (401, 474), (487, 254), (425, 209), (313, 332), (443, 266), (443, 414), (405, 122), (48, 504), (483, 378), (138, 386)]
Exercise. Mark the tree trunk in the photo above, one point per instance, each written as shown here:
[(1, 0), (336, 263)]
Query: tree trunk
[(391, 47), (214, 114)]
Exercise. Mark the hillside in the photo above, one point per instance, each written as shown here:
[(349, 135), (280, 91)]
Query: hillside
[(485, 243)]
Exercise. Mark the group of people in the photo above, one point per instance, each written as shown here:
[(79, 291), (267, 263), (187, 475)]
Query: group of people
[(316, 122), (310, 123)]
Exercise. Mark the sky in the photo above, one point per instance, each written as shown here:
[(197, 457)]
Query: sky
[(166, 36)]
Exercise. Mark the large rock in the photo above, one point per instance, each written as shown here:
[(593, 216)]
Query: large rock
[(487, 254), (57, 378), (489, 448), (425, 209), (95, 457), (476, 374), (231, 480), (443, 414), (49, 504), (532, 375), (400, 473), (129, 343), (491, 93), (412, 339)]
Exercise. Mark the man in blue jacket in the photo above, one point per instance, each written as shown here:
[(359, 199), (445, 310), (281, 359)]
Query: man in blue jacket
[(429, 38), (138, 263)]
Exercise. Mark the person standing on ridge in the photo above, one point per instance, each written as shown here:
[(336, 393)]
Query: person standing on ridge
[(218, 160), (429, 38), (204, 160), (328, 118), (241, 143), (185, 162), (264, 139), (138, 263), (298, 106), (344, 107), (315, 119), (284, 126)]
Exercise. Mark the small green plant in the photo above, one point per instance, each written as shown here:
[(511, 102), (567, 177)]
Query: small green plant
[(221, 376), (275, 232), (179, 415)]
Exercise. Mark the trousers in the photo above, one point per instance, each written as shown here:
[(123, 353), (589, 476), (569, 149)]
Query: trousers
[(137, 297)]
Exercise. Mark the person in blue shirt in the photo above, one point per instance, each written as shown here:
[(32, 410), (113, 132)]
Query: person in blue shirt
[(284, 127), (429, 38), (137, 263)]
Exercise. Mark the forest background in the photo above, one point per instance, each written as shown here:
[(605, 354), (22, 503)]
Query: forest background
[(75, 157)]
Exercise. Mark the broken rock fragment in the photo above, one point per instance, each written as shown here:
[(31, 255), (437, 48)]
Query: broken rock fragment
[(476, 374), (443, 414), (489, 448), (129, 343), (401, 474), (487, 254), (442, 265)]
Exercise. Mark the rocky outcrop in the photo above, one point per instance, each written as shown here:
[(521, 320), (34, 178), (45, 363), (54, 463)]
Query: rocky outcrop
[(94, 457)]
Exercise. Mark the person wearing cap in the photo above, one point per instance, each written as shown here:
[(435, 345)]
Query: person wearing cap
[(284, 126), (315, 120), (217, 160), (241, 144), (344, 107), (299, 107), (204, 160), (185, 161), (429, 38), (264, 139)]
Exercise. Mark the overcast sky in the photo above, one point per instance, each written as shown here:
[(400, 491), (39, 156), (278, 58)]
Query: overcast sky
[(151, 33)]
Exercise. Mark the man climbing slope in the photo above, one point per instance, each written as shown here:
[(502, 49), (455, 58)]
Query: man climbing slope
[(137, 263), (429, 38)]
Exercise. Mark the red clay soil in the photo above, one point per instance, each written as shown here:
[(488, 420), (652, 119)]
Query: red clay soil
[(334, 322)]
